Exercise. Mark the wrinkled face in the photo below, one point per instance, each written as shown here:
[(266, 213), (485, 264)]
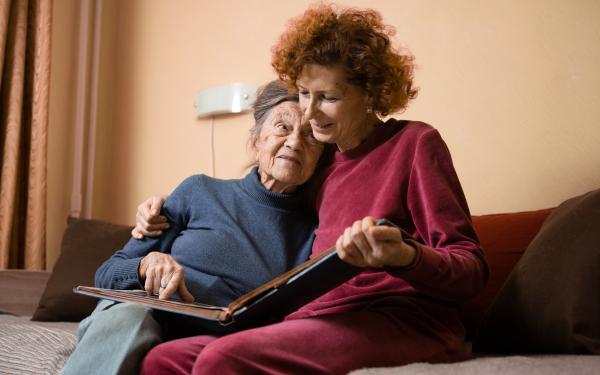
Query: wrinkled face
[(286, 150), (336, 109)]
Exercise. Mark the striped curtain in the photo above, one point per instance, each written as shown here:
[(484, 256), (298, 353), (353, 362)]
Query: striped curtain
[(25, 34)]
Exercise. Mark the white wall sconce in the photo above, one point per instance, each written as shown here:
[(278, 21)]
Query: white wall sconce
[(225, 99)]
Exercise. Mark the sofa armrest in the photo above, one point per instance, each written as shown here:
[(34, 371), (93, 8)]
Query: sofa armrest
[(20, 290)]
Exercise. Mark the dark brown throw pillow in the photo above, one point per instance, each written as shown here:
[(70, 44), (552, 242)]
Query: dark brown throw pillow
[(550, 303), (504, 238), (86, 244)]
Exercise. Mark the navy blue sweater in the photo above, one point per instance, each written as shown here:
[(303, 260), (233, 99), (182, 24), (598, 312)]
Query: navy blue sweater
[(231, 236)]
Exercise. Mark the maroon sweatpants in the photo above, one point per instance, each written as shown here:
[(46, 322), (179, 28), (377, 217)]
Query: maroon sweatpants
[(327, 344)]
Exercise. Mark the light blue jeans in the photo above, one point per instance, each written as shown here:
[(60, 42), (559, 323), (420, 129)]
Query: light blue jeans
[(113, 340)]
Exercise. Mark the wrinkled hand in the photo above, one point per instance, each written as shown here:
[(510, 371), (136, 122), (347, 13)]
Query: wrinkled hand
[(148, 221), (366, 245), (163, 276)]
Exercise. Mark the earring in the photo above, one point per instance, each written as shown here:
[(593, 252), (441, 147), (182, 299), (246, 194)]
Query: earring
[(370, 109)]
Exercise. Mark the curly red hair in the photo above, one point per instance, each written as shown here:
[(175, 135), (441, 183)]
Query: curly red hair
[(356, 39)]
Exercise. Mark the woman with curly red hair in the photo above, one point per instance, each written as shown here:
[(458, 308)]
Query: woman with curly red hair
[(404, 306)]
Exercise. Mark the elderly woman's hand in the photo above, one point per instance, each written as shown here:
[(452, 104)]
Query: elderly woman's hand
[(163, 276), (366, 245), (148, 221)]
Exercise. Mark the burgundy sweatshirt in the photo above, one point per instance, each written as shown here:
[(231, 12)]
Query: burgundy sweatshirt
[(403, 171)]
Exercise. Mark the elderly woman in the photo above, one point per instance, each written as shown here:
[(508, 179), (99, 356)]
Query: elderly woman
[(404, 307), (226, 238)]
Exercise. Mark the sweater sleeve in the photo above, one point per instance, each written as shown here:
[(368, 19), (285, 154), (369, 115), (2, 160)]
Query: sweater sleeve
[(121, 271), (450, 264)]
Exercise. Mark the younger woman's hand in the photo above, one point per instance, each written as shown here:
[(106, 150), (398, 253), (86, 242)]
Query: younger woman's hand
[(148, 220), (163, 276), (365, 244)]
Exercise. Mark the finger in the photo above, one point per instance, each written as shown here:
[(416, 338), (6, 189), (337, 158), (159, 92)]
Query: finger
[(170, 284), (141, 223), (157, 226), (156, 204), (184, 293), (151, 222), (154, 233), (144, 209), (373, 256), (136, 234), (149, 283), (368, 221), (145, 233), (148, 225), (351, 249), (177, 283), (383, 233), (359, 239), (355, 247), (158, 273), (385, 242), (343, 254), (143, 228)]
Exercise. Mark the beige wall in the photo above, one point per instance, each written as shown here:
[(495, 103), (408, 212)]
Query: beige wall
[(511, 85)]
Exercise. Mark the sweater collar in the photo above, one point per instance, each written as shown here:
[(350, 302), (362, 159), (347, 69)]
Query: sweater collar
[(256, 190)]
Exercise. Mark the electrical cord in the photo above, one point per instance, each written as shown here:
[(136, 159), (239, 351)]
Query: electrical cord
[(212, 145)]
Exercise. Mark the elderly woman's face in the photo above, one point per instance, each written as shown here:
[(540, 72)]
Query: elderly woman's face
[(336, 109), (286, 150)]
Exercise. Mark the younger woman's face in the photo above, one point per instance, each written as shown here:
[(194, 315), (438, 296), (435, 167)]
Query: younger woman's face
[(335, 108)]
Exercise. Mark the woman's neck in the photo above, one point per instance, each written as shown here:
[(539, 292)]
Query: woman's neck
[(362, 132), (275, 186)]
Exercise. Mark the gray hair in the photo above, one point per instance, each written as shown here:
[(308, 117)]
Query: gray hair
[(267, 98)]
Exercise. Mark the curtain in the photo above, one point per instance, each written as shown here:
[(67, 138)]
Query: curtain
[(25, 34)]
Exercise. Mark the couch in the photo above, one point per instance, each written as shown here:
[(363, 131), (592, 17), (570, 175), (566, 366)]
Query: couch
[(539, 313)]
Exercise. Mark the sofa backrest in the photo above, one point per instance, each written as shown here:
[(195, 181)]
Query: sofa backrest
[(504, 238), (20, 290)]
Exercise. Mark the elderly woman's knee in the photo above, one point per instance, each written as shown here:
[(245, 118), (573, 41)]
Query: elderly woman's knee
[(127, 312), (120, 317)]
